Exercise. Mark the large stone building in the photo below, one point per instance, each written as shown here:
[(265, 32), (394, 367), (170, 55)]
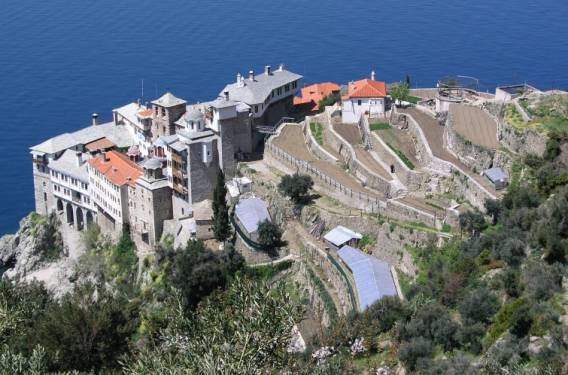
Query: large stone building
[(158, 163)]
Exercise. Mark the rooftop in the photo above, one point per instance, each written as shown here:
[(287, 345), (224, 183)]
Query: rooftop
[(68, 164), (168, 100), (117, 167), (251, 212), (117, 134), (340, 235), (373, 278), (315, 93), (495, 174), (257, 90), (99, 144), (366, 88)]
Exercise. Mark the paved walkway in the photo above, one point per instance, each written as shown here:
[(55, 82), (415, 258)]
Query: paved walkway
[(434, 134)]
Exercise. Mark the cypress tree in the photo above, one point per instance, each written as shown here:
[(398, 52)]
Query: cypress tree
[(221, 227)]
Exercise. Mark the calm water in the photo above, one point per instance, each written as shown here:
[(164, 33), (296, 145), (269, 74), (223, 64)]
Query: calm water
[(61, 60)]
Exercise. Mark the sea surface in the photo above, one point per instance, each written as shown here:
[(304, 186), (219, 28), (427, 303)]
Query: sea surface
[(61, 60)]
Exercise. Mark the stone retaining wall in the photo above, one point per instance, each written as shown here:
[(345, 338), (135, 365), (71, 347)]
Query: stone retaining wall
[(347, 155), (521, 141), (412, 180), (312, 144)]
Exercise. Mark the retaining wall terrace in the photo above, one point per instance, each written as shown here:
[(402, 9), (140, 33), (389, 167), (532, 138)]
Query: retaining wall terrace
[(312, 144), (347, 154), (412, 180)]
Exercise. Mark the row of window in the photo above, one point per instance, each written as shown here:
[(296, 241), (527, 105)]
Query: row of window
[(69, 192), (64, 177)]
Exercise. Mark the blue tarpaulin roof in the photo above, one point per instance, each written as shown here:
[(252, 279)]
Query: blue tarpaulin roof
[(373, 279), (251, 212)]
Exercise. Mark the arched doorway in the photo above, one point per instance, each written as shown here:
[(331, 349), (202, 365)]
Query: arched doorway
[(69, 212), (89, 218), (80, 219), (59, 205)]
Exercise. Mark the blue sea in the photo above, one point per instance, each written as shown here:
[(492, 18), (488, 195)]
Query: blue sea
[(61, 60)]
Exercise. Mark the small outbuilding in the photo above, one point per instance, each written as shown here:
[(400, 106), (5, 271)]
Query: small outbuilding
[(497, 176), (249, 213), (340, 236), (373, 277), (238, 186)]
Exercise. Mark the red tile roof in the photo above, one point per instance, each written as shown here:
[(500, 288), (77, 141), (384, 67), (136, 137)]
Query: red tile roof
[(117, 167), (366, 88), (145, 113), (314, 93)]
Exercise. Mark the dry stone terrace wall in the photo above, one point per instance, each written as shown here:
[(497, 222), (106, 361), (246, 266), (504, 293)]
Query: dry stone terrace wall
[(391, 240), (524, 141), (312, 144), (348, 156), (411, 179)]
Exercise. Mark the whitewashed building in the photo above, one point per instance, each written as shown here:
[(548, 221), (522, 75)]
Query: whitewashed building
[(364, 97)]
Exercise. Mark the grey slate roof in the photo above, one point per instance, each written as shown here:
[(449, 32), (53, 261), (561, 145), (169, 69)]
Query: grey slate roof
[(251, 212), (168, 100), (340, 235), (67, 164), (373, 279), (255, 92), (151, 164), (222, 103), (117, 134), (496, 174)]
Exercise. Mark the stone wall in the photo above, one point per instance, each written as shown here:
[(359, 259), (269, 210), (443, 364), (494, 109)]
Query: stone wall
[(390, 239), (474, 156), (411, 179), (347, 155), (521, 141), (312, 144)]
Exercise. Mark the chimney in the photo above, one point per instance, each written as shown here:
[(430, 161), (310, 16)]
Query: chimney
[(251, 75), (239, 77), (139, 103), (372, 75), (267, 70), (280, 67), (226, 95), (94, 117), (105, 157), (79, 158)]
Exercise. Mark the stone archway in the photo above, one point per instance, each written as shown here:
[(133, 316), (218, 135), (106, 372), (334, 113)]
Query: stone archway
[(89, 218), (80, 219), (69, 213), (59, 205)]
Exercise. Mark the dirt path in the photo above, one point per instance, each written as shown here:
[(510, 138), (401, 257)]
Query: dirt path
[(434, 134), (400, 139)]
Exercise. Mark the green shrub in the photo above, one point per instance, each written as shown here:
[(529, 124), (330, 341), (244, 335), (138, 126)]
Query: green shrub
[(317, 131), (402, 156), (379, 126)]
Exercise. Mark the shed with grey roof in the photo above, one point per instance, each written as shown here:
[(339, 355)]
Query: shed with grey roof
[(340, 235), (249, 213), (373, 277), (497, 176)]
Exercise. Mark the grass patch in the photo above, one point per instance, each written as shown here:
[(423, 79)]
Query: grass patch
[(317, 131), (379, 126), (446, 228), (413, 99), (328, 303), (367, 241), (268, 271), (402, 157), (404, 281)]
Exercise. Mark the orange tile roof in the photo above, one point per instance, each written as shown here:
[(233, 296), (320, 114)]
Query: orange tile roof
[(117, 167), (366, 88), (316, 92), (99, 144), (145, 113)]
